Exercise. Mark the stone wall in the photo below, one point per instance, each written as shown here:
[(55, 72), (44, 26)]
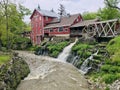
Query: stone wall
[(12, 73)]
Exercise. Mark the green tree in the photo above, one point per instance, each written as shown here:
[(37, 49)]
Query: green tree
[(11, 21), (112, 3), (89, 15), (62, 11), (108, 13)]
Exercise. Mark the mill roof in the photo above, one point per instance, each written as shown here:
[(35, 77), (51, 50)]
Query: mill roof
[(85, 23), (47, 13), (63, 21)]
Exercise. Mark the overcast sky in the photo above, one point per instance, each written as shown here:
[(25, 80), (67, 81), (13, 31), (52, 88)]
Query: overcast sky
[(71, 6)]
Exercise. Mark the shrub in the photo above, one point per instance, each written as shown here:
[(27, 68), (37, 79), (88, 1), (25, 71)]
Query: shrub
[(87, 54), (116, 58), (114, 69), (80, 47), (114, 45), (55, 48), (54, 54), (109, 78), (105, 68), (21, 43), (4, 59), (99, 57), (3, 49)]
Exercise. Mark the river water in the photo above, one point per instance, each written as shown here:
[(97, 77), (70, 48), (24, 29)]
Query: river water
[(48, 73), (66, 52)]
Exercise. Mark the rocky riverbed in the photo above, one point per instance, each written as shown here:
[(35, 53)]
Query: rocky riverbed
[(50, 74)]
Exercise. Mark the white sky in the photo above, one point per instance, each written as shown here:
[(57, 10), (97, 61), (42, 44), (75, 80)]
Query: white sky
[(71, 6)]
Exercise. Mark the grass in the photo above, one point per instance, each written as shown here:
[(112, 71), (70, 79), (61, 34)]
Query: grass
[(114, 45), (56, 48), (4, 59), (110, 71)]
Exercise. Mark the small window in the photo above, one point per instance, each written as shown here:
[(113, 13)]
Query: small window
[(60, 29), (51, 30)]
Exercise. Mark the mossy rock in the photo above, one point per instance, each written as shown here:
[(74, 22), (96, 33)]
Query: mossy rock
[(96, 61), (98, 57), (12, 73)]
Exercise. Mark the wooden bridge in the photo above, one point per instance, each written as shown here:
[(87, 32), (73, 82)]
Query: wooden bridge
[(90, 28)]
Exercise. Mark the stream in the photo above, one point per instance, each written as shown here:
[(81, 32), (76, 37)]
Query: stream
[(48, 73), (66, 51)]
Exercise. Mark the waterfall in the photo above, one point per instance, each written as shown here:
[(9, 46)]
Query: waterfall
[(84, 67), (75, 59), (66, 51)]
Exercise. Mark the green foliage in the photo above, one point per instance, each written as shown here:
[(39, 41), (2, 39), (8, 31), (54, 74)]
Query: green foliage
[(87, 54), (114, 45), (113, 48), (105, 68), (107, 88), (80, 46), (56, 48), (54, 53), (82, 49), (108, 13), (112, 3), (98, 57), (12, 15), (116, 58), (109, 78), (89, 15), (4, 59), (21, 43)]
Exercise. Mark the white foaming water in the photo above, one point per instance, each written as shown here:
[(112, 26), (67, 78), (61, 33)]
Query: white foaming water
[(66, 51), (84, 69)]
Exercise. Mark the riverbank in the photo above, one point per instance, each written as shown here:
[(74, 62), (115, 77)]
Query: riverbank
[(51, 74), (12, 72)]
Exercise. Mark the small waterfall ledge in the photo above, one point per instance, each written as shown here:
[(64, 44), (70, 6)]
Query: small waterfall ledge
[(66, 52), (84, 67)]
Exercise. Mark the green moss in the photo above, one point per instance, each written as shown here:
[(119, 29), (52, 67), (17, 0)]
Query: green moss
[(109, 78), (114, 45), (116, 58), (80, 46), (55, 48), (99, 57), (54, 53), (4, 59)]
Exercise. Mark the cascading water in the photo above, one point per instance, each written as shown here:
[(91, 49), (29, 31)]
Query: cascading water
[(84, 67), (66, 51), (75, 59)]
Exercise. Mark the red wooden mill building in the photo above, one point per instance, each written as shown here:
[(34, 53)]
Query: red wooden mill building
[(47, 23)]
